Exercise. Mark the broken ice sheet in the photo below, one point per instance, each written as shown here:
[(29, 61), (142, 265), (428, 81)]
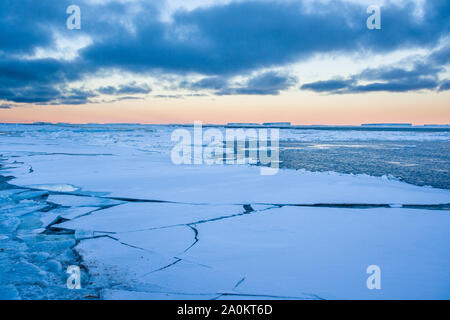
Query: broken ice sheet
[(113, 263), (190, 277), (48, 218), (109, 294), (88, 234), (75, 212), (54, 215), (80, 201), (273, 253), (29, 195), (21, 209), (155, 177), (16, 169), (23, 272), (5, 195), (324, 252), (143, 216), (8, 224), (168, 241)]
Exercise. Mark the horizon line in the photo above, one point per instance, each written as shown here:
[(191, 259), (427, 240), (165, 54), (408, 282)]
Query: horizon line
[(236, 124)]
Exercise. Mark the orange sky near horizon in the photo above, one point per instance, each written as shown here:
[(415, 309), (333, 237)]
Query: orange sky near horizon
[(304, 108)]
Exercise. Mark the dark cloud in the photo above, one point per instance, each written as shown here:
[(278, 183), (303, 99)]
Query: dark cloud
[(244, 36), (420, 69), (328, 86), (442, 56), (218, 41), (38, 81), (46, 94), (29, 94), (211, 83), (15, 72), (351, 86), (5, 106), (423, 75), (75, 96), (396, 86), (445, 86), (269, 83), (126, 89), (26, 24)]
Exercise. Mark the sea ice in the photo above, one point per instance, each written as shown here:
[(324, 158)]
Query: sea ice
[(144, 216), (145, 228)]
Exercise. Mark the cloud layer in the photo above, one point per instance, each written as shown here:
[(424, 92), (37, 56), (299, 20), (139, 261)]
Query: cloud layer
[(217, 42), (422, 75)]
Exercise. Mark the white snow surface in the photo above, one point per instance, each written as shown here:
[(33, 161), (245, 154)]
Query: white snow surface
[(149, 229)]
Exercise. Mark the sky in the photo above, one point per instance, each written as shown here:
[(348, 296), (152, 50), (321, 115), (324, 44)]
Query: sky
[(173, 61)]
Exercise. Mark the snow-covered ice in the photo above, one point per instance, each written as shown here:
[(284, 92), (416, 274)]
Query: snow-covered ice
[(108, 198)]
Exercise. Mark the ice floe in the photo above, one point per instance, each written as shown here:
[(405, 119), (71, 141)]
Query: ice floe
[(108, 199)]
